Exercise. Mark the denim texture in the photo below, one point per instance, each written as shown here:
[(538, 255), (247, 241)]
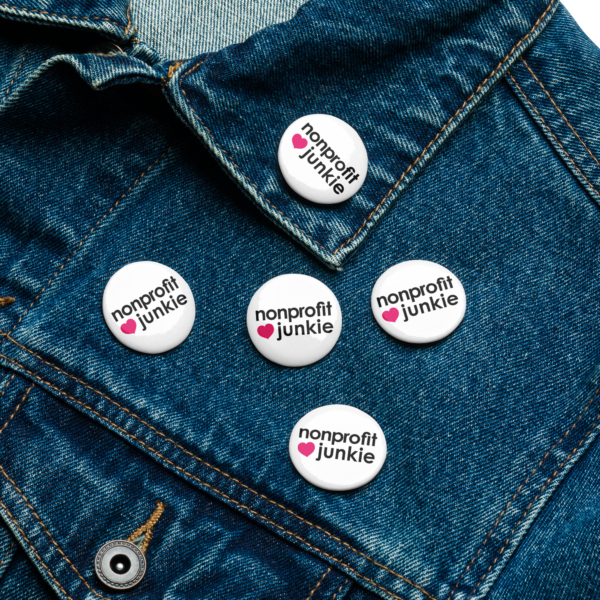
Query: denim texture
[(98, 170), (20, 579), (185, 28), (560, 556)]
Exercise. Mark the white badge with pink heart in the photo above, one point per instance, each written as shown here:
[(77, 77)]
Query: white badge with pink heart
[(148, 307), (294, 320), (418, 301), (323, 159), (338, 447)]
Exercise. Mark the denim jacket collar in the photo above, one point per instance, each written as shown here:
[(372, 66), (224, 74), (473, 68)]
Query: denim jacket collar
[(404, 76)]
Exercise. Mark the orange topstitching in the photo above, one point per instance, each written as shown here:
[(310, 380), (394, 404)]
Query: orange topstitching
[(200, 460), (527, 509), (39, 520), (339, 589), (7, 384), (410, 167), (222, 494), (545, 124), (16, 410), (140, 177), (12, 545), (516, 494), (452, 118), (15, 75), (233, 162), (50, 574), (319, 583), (537, 112), (560, 112)]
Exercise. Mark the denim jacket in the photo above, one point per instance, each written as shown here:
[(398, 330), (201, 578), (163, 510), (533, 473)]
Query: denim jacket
[(142, 131)]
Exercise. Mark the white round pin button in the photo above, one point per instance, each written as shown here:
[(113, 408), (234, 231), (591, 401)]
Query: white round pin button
[(338, 447), (148, 307), (323, 159), (294, 320), (418, 301)]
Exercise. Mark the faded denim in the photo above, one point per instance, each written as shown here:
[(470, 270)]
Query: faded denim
[(481, 119)]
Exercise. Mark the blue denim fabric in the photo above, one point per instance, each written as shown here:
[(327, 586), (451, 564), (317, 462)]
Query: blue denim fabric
[(20, 579), (98, 168), (215, 24)]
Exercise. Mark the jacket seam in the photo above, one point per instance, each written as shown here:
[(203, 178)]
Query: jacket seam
[(319, 583), (228, 155), (560, 112), (98, 222), (527, 509), (7, 385), (12, 545), (32, 548), (51, 14), (339, 589), (16, 410), (14, 78), (229, 498), (410, 167), (516, 494), (39, 520), (201, 460), (452, 118), (549, 130)]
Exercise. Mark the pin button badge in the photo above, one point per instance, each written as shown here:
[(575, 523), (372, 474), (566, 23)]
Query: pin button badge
[(294, 320), (418, 301), (323, 159), (148, 307), (338, 447)]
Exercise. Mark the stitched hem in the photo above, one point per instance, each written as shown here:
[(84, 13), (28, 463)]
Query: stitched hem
[(9, 518), (189, 475), (16, 410), (91, 21), (350, 570), (550, 132), (12, 545), (319, 583), (14, 78), (528, 508), (521, 487), (46, 531), (331, 256), (90, 232), (340, 589), (560, 112)]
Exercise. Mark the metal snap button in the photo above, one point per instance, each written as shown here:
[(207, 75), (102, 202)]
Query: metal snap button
[(120, 565)]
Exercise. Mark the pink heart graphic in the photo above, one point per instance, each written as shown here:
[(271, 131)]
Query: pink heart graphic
[(129, 327), (299, 142), (266, 331), (306, 449), (391, 315)]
